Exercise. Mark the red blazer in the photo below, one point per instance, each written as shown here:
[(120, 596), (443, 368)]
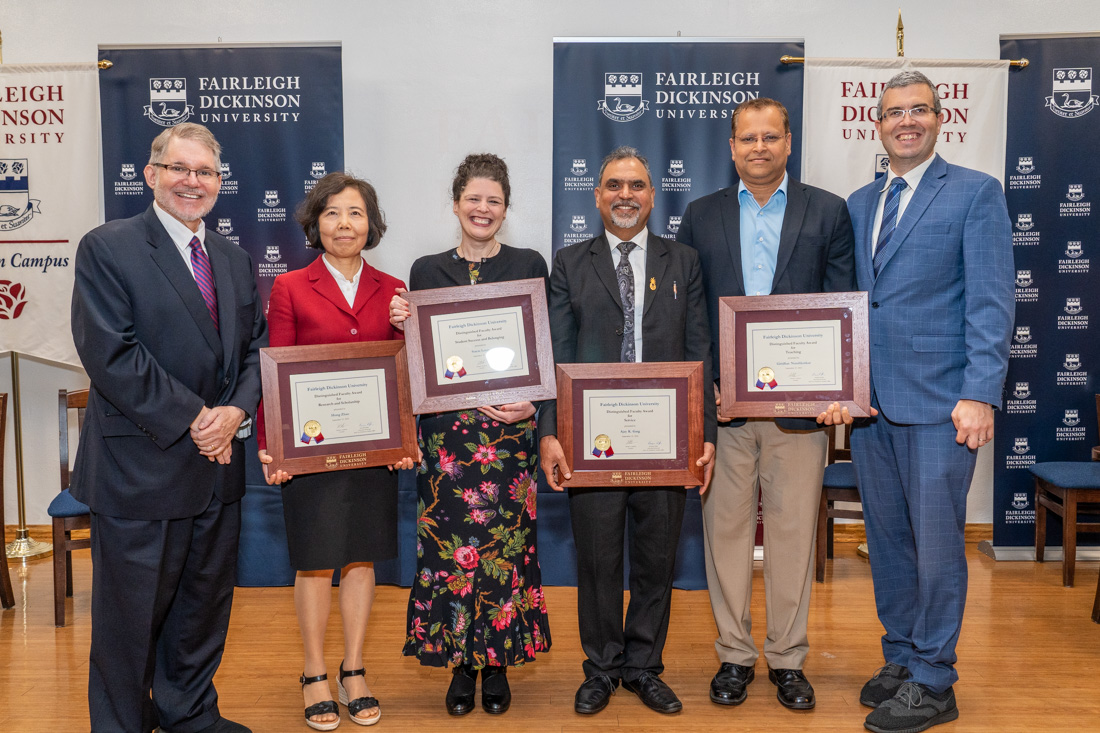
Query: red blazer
[(307, 307)]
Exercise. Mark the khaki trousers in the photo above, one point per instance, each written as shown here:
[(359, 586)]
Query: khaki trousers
[(786, 466)]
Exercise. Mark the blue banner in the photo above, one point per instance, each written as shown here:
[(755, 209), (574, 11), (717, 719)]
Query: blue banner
[(670, 98), (1053, 135), (277, 112)]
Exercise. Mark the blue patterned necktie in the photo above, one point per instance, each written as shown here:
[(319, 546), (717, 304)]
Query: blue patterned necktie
[(624, 273), (889, 220), (204, 277)]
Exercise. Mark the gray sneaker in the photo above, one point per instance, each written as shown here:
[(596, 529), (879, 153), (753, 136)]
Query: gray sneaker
[(883, 685), (913, 709)]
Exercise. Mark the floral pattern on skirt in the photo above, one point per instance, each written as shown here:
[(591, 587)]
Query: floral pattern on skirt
[(477, 597)]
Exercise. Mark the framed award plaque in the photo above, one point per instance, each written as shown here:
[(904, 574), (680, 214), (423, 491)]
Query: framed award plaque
[(475, 345), (631, 424), (335, 406), (794, 355)]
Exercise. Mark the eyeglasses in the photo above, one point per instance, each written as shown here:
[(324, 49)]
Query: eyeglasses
[(916, 114), (769, 140), (180, 171)]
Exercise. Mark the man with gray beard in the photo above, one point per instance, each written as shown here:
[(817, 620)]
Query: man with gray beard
[(625, 296)]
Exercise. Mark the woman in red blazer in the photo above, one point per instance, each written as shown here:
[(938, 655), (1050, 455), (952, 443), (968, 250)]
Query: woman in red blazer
[(343, 519)]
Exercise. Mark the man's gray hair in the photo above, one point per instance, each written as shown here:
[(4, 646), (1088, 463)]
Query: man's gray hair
[(624, 152), (186, 131), (909, 78)]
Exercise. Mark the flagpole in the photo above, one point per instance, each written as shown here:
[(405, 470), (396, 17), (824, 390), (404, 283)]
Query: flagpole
[(23, 546)]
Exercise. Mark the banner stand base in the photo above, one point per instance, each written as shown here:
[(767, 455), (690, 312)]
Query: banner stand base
[(1027, 552)]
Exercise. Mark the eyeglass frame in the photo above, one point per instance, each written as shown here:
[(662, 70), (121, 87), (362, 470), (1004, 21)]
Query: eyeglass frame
[(201, 174), (897, 115)]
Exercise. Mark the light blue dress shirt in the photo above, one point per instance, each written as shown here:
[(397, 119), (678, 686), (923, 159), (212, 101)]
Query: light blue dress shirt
[(760, 229)]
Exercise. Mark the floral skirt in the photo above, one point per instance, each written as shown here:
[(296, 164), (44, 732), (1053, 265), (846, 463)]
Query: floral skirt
[(477, 597)]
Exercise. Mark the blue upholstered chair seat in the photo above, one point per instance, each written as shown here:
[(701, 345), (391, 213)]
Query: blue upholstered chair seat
[(839, 476), (1069, 474), (64, 505)]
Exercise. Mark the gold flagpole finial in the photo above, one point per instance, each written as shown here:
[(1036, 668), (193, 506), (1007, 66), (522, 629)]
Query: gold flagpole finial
[(104, 64), (901, 36)]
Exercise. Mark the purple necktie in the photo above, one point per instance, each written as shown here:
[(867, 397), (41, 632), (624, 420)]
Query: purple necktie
[(204, 276)]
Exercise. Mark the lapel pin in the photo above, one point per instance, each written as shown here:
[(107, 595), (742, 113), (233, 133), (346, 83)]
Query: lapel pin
[(652, 283)]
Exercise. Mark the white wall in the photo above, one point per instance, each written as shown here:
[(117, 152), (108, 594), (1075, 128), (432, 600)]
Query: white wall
[(426, 82)]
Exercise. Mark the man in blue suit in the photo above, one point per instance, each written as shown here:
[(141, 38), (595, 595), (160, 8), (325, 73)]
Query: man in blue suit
[(934, 252), (168, 325)]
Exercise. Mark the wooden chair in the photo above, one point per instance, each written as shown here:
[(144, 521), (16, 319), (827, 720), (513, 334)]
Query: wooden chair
[(1071, 490), (838, 484), (7, 595), (68, 514)]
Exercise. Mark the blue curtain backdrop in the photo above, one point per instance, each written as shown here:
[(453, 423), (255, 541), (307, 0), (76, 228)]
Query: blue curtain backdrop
[(1051, 182)]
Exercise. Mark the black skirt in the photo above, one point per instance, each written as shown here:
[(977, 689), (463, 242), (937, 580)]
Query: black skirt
[(340, 517)]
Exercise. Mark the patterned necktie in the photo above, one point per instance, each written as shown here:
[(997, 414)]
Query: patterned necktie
[(624, 273), (889, 220), (204, 277)]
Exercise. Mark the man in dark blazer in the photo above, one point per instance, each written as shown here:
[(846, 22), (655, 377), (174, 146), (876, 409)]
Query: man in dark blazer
[(168, 325), (626, 295), (934, 252), (770, 234)]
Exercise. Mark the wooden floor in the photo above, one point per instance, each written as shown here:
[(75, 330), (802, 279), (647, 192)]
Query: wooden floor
[(1029, 660)]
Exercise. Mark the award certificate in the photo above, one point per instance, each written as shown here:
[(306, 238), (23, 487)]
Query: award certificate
[(794, 356), (339, 407), (479, 345), (630, 424)]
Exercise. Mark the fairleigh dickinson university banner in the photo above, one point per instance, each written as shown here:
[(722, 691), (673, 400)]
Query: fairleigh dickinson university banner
[(842, 149), (672, 98), (49, 162), (1052, 179), (277, 112)]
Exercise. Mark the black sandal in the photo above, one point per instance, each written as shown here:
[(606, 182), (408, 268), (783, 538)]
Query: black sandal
[(321, 708), (359, 704)]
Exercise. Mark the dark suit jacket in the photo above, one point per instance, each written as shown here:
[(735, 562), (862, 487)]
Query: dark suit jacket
[(306, 306), (155, 359), (816, 252), (586, 315)]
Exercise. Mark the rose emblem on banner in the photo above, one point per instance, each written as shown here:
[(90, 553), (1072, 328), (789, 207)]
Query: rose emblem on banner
[(13, 296)]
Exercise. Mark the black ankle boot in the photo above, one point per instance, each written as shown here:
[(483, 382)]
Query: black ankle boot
[(460, 695), (495, 695)]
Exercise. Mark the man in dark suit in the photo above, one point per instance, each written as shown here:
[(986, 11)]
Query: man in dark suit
[(626, 295), (934, 252), (168, 325), (770, 234)]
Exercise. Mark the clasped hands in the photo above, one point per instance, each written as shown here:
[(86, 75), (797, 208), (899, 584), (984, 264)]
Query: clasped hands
[(213, 431)]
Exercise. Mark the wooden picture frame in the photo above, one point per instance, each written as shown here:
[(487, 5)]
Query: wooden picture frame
[(794, 355), (465, 327), (366, 406), (586, 393)]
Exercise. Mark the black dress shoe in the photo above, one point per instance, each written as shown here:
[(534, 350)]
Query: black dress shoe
[(460, 695), (795, 691), (594, 694), (654, 693), (729, 686), (495, 695)]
